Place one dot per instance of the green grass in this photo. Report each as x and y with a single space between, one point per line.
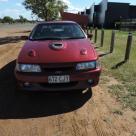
125 32
117 111
134 118
126 73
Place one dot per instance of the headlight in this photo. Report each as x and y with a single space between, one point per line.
87 65
28 68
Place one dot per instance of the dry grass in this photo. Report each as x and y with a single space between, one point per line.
125 73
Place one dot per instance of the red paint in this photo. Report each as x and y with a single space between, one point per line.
32 53
83 52
73 51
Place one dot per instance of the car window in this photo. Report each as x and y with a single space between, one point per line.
57 31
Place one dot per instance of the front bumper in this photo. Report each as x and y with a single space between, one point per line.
40 82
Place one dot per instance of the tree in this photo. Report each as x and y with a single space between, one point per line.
7 19
22 19
0 20
45 9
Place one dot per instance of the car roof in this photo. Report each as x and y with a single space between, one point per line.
54 22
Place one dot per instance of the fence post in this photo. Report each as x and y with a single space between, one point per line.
129 45
95 40
112 41
102 37
88 30
84 28
91 30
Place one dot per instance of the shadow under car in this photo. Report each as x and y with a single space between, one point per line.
15 105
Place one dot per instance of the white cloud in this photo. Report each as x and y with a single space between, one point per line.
71 7
10 12
74 9
67 2
20 10
18 4
14 13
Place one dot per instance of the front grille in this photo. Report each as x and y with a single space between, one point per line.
65 68
59 85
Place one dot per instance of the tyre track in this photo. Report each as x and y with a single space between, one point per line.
10 53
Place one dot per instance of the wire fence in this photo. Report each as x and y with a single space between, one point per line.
112 40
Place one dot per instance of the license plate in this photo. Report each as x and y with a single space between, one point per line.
58 79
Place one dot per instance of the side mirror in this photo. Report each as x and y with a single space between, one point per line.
24 37
90 36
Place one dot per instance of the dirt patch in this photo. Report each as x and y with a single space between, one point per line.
58 114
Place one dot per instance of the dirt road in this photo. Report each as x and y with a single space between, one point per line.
57 114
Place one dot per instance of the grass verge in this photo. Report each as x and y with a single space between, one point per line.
126 72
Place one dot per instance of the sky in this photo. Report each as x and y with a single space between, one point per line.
14 8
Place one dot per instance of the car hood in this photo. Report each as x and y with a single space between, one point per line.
43 52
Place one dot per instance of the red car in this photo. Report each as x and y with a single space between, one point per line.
57 56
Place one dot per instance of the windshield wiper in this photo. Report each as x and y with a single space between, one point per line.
75 38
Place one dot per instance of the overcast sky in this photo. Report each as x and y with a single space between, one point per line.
14 8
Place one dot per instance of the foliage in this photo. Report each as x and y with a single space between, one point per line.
22 19
45 9
0 20
7 19
10 20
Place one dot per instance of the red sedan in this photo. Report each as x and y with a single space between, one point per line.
57 56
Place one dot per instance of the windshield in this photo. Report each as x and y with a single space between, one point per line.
57 31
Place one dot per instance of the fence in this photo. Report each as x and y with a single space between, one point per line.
100 35
126 26
112 43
